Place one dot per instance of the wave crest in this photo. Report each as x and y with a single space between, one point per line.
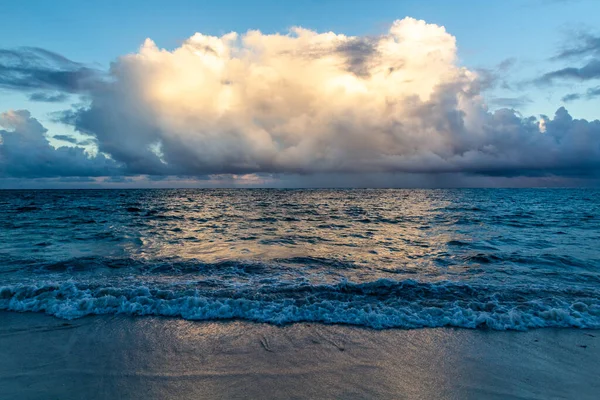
378 304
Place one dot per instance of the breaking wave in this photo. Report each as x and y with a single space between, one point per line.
378 304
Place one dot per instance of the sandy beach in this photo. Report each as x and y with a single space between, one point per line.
108 357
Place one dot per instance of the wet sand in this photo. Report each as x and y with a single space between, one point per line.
110 357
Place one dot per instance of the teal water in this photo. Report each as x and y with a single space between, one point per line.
480 258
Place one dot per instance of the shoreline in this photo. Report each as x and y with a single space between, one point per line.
113 356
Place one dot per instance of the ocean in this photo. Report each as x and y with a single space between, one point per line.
471 258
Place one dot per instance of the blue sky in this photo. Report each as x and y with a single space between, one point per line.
513 40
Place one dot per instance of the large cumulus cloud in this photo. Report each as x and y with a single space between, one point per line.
307 104
310 102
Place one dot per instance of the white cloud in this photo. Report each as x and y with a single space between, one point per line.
277 103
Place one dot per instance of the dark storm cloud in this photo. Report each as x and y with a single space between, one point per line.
133 149
34 69
26 153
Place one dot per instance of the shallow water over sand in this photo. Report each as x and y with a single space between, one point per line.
109 357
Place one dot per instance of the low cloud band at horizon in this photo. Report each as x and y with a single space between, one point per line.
301 103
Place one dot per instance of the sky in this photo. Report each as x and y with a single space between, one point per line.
309 93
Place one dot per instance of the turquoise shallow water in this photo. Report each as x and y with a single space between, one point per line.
481 258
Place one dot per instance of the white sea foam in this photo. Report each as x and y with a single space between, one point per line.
379 304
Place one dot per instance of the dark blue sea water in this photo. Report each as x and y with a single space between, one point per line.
500 259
